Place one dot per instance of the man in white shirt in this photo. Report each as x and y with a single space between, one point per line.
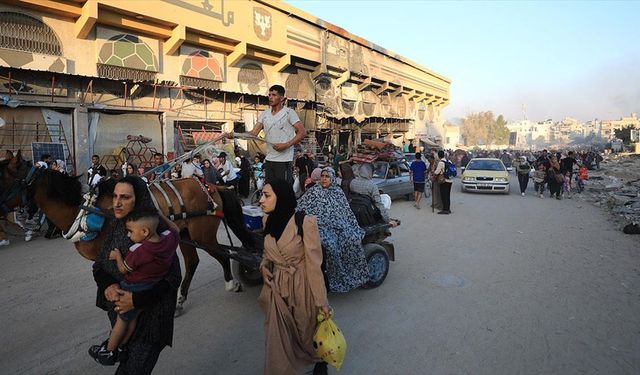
228 172
283 129
192 168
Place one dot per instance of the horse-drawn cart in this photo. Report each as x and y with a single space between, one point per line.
378 252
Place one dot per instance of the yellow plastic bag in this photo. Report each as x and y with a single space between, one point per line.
329 341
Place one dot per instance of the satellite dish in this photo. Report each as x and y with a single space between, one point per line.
2 122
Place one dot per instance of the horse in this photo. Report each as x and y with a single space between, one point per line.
60 197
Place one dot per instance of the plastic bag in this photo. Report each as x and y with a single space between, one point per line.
329 341
296 185
386 201
260 183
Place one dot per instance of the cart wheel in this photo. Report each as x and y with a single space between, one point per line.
248 276
378 263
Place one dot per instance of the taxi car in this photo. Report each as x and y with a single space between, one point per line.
485 175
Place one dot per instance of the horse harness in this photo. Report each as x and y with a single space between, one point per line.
182 214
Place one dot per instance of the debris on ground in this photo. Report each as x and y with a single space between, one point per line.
616 187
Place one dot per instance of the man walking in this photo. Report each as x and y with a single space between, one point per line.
283 129
445 185
417 175
96 172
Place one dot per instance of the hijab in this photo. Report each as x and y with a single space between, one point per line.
315 174
332 174
285 208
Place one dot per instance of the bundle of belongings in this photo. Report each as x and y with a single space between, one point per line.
370 151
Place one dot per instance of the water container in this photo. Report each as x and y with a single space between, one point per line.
252 217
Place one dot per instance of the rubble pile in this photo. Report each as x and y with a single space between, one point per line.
616 186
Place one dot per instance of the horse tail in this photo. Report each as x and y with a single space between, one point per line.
233 215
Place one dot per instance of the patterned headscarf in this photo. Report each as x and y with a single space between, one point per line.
315 174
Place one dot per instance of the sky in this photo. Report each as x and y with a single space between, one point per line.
551 58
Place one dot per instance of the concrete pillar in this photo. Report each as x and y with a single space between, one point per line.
168 133
82 160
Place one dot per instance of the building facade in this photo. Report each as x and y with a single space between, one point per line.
89 73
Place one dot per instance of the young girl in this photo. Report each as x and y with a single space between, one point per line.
583 175
566 185
539 177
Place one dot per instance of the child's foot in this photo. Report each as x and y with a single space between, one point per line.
102 355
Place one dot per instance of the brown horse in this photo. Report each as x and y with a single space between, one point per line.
59 196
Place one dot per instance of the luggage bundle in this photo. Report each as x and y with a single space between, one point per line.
370 151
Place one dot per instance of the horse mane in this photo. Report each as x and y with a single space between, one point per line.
63 188
233 214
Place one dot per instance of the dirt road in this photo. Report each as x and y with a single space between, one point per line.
504 285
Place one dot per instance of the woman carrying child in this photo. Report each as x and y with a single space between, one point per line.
154 329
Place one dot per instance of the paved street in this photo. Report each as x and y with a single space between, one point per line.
504 285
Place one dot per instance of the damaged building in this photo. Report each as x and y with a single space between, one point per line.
86 74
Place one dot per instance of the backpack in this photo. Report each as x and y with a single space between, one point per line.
365 210
450 169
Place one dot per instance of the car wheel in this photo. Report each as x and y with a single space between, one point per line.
378 264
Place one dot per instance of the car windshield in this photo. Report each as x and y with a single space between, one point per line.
380 170
485 165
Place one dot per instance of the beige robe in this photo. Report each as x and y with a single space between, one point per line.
292 305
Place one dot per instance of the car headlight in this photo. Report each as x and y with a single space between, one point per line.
501 179
468 178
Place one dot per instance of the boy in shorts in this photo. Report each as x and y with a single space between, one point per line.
145 263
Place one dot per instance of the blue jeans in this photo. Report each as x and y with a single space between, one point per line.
138 287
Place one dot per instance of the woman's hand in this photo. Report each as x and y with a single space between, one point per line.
326 311
124 302
267 276
114 254
111 292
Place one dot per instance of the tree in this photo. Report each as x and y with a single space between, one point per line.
500 131
624 133
476 126
484 128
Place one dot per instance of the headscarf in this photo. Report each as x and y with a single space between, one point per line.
365 171
62 166
315 174
285 208
156 325
332 174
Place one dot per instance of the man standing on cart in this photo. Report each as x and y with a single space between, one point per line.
283 129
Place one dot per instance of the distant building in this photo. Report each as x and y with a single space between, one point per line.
452 136
609 126
529 133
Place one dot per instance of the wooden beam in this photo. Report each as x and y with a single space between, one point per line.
213 44
398 91
344 77
62 8
110 18
365 84
178 36
413 94
87 20
382 88
239 52
284 63
262 56
320 69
